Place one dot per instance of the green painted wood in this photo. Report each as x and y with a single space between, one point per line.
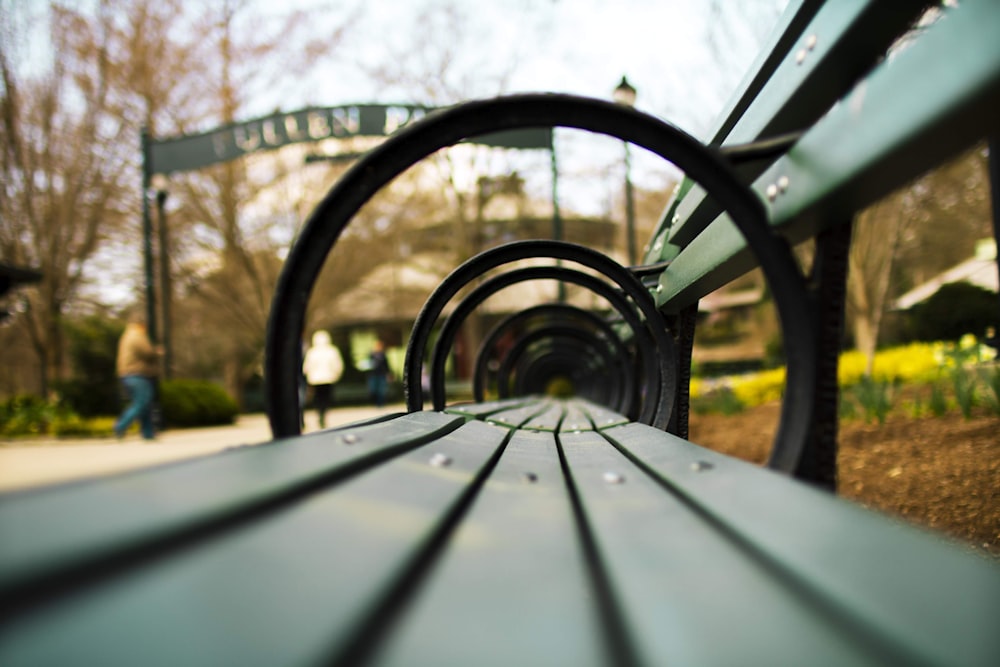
51 530
544 414
292 588
906 593
512 586
788 30
689 594
480 410
912 112
599 415
516 417
850 37
548 419
575 418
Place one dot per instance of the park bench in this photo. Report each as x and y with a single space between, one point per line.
562 531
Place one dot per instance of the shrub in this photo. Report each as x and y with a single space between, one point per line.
93 347
846 408
27 414
721 400
696 387
991 379
875 397
760 388
964 386
72 425
917 362
938 402
195 403
954 310
89 398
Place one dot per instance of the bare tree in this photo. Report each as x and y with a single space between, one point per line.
64 171
874 252
911 235
245 53
70 140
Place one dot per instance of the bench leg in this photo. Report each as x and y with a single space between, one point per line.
827 283
682 326
994 167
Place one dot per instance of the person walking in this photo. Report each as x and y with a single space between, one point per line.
138 365
322 367
378 374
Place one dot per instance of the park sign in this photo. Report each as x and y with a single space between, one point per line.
235 140
229 142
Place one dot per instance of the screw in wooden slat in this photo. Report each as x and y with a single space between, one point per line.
612 477
440 460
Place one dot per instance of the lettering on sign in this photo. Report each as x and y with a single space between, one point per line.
195 151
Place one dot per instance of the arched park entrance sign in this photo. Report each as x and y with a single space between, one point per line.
235 140
229 142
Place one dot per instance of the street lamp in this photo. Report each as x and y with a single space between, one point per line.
160 185
625 94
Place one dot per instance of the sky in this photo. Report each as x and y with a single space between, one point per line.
684 57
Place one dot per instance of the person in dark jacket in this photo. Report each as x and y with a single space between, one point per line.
378 374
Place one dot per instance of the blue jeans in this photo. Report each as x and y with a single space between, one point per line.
377 389
140 392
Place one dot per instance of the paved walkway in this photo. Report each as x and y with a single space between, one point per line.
25 464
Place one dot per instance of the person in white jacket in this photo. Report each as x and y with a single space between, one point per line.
322 367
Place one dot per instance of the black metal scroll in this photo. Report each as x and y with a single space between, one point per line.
621 382
656 345
447 127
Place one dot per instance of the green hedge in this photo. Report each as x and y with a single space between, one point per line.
953 311
26 414
195 403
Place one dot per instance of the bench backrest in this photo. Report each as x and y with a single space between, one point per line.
855 112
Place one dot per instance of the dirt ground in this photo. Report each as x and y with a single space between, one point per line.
941 473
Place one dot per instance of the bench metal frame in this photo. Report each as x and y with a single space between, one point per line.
537 531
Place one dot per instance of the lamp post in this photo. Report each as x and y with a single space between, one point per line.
625 94
165 282
147 236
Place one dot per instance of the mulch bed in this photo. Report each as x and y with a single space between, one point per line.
941 473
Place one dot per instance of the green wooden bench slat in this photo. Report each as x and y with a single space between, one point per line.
480 410
129 510
518 416
787 31
547 420
850 38
575 418
545 414
599 415
914 111
920 593
689 594
512 586
291 588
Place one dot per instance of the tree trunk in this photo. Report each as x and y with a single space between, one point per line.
233 378
866 340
